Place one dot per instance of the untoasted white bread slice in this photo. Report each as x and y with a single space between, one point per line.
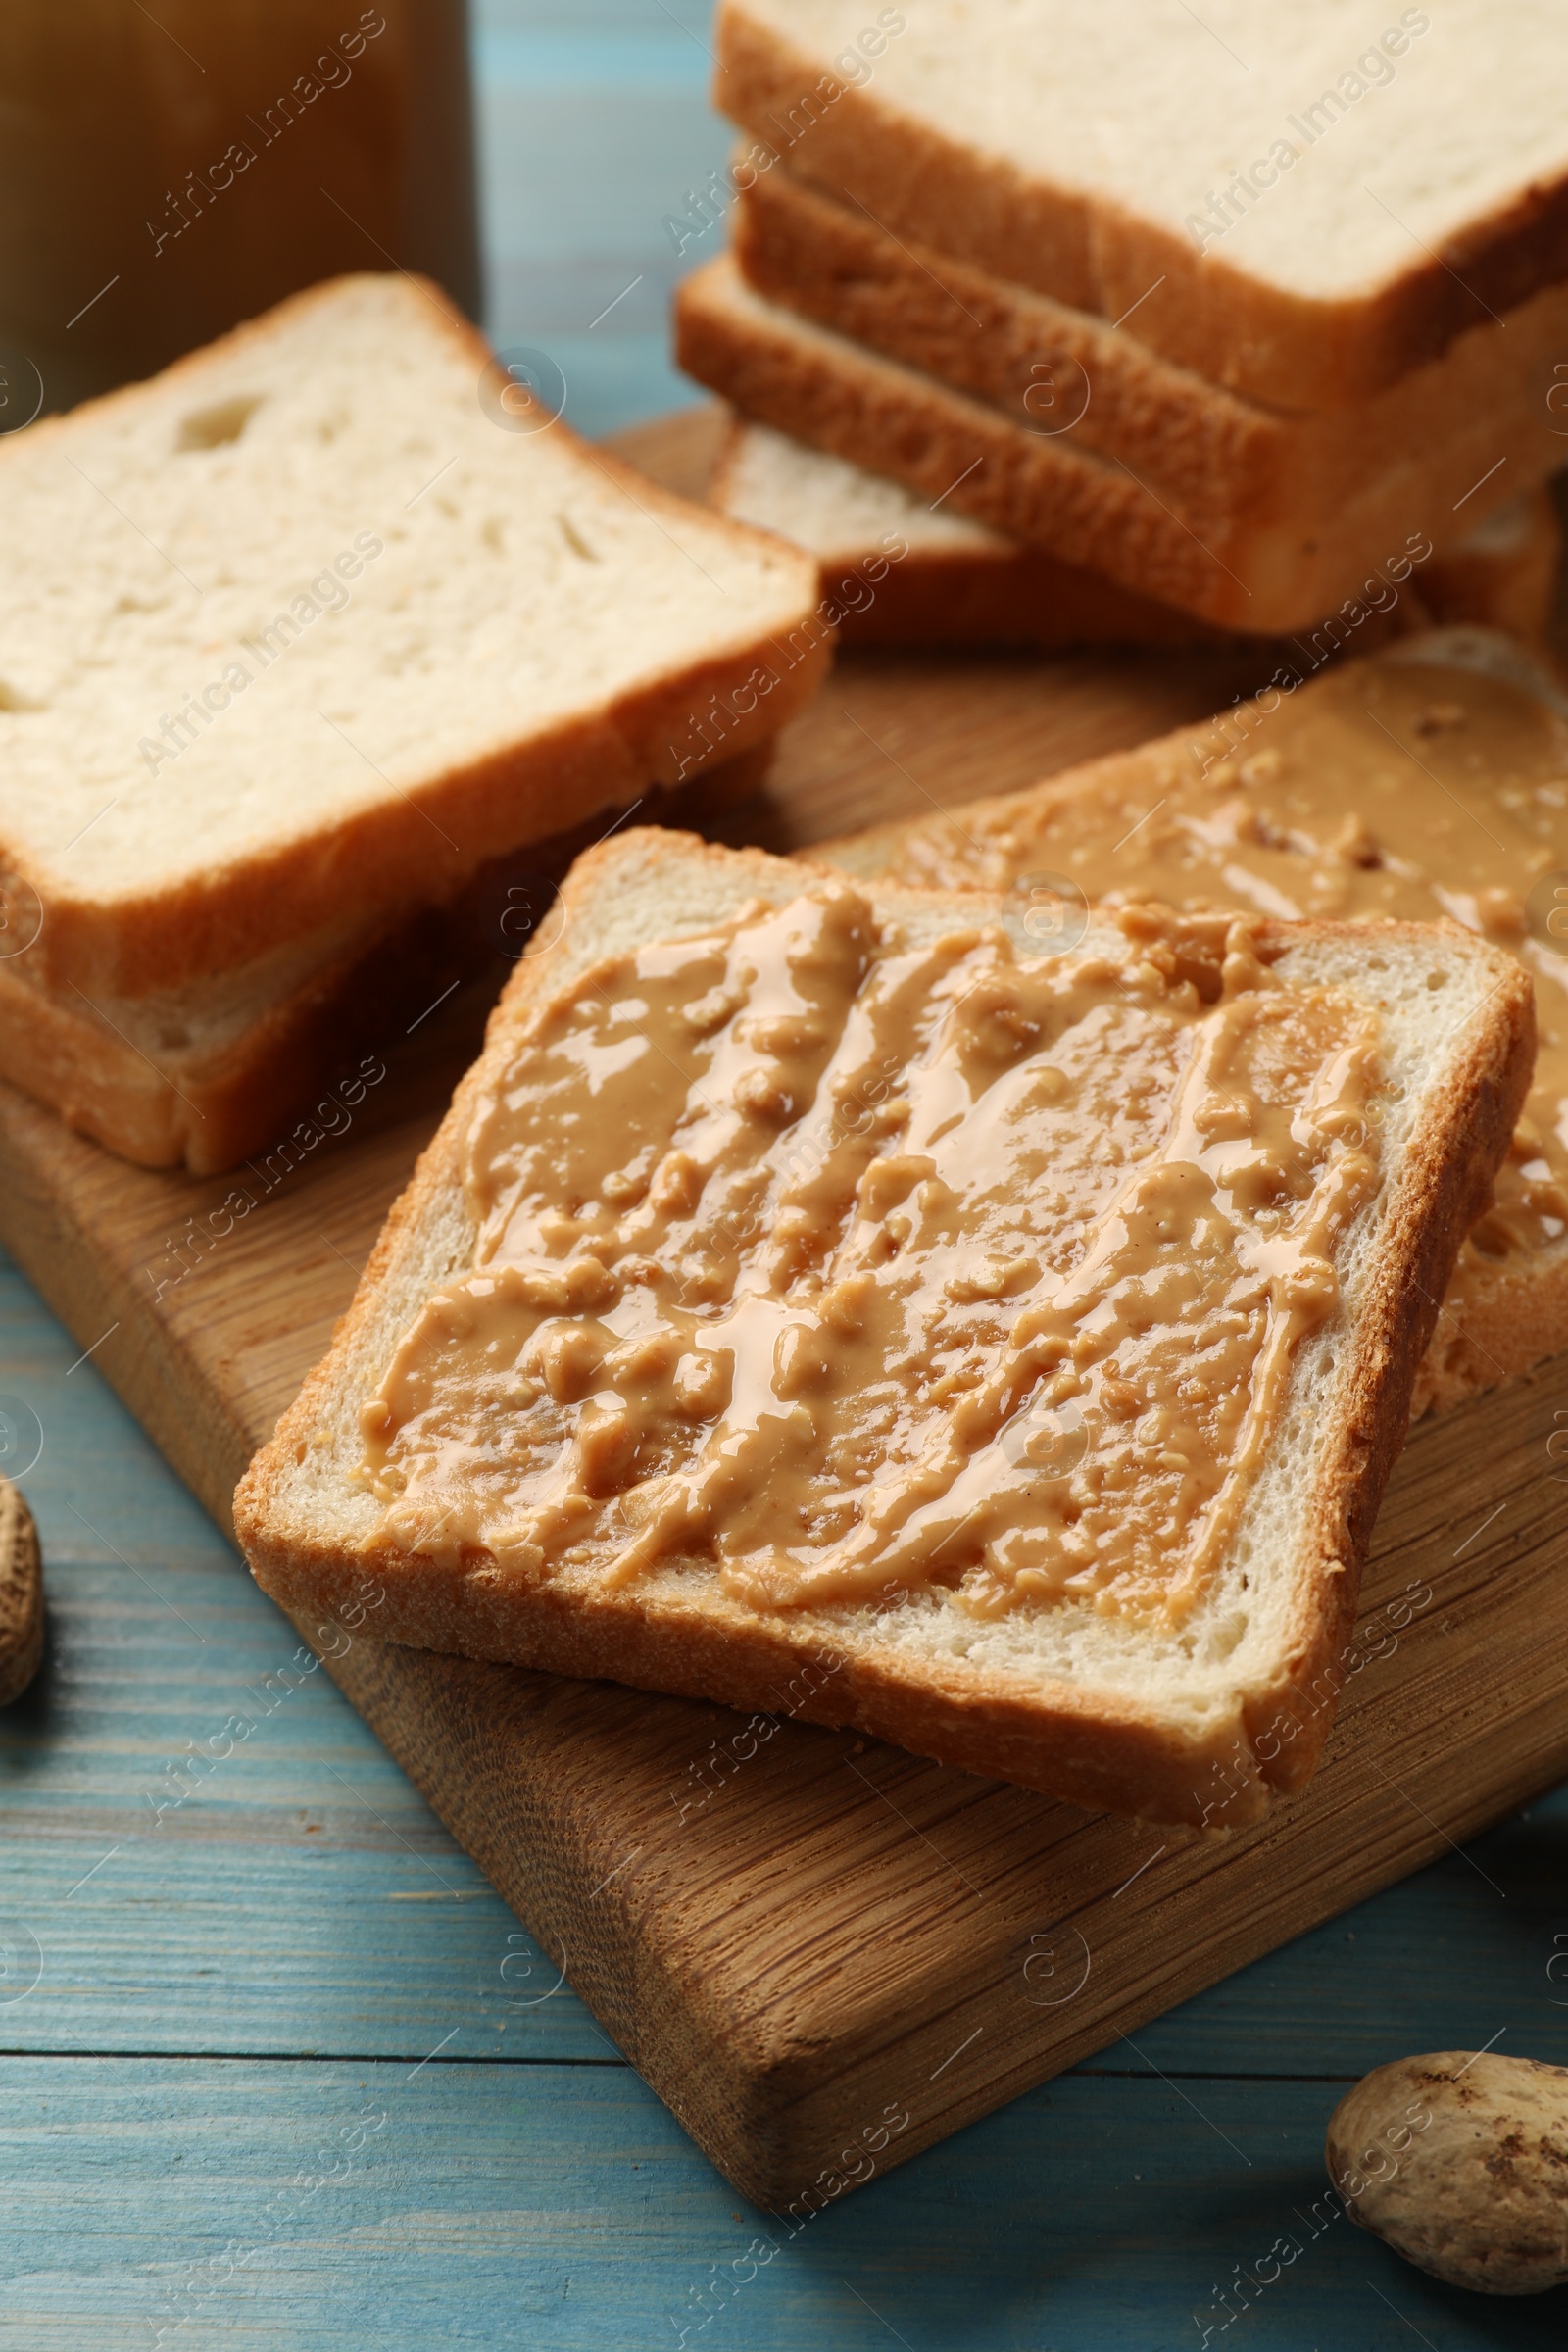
899 572
1194 1705
1478 415
1235 569
1430 782
1304 203
206 1075
327 614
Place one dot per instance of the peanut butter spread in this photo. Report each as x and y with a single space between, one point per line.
1404 790
844 1266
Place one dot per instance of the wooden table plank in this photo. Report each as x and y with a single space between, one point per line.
571 2215
302 1897
593 120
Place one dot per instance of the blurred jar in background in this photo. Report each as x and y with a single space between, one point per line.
170 168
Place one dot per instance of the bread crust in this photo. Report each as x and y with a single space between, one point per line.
1007 593
209 1111
1286 350
407 848
1103 1749
808 381
1452 1164
1207 448
996 594
204 1112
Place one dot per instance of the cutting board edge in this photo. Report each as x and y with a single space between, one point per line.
766 2131
109 1315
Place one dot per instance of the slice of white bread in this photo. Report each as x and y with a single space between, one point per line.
1304 203
1195 1719
1233 570
206 1075
332 611
201 1076
1250 810
1477 416
901 573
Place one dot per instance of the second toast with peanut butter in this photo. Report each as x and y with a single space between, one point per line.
1427 784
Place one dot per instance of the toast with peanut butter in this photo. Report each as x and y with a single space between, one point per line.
1429 784
812 1272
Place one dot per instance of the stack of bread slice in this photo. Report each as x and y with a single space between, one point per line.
897 571
299 639
1176 306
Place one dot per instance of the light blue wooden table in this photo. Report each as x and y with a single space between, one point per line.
278 2070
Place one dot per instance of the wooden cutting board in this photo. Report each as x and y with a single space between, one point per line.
822 1953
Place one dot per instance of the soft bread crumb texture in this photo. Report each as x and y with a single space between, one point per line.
1404 169
1151 108
898 572
839 510
205 1075
220 1068
1198 1723
328 614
